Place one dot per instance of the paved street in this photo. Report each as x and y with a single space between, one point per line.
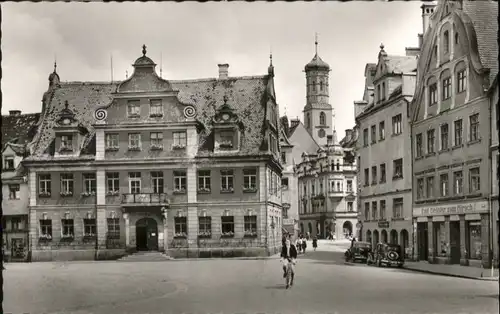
324 284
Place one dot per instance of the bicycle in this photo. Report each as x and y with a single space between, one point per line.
289 273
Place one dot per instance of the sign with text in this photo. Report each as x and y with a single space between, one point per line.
288 221
457 209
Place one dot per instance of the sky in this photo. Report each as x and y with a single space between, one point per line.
190 39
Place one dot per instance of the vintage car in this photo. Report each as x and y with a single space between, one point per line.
358 251
387 255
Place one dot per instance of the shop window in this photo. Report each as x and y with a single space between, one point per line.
227 226
440 245
475 240
113 225
180 227
205 227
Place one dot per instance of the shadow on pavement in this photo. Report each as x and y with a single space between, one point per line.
277 287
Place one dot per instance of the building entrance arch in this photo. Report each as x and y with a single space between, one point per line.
347 228
146 233
394 237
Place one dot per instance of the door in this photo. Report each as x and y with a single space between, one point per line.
146 234
454 242
422 240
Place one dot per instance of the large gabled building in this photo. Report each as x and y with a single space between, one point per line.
451 134
191 168
17 130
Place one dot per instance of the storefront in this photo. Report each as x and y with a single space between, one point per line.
453 233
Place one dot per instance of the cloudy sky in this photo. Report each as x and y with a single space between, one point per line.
193 38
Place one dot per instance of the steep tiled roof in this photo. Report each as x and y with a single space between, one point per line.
246 95
400 64
19 149
17 128
397 91
484 18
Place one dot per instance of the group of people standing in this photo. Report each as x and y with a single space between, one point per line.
301 243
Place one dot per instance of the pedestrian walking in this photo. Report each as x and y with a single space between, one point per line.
304 246
298 245
315 243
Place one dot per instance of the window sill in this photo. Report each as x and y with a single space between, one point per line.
14 199
382 181
373 183
205 191
419 157
157 148
420 202
156 115
179 192
204 236
180 237
134 149
67 195
92 237
67 239
44 240
455 197
227 236
396 134
474 195
373 142
250 236
457 146
249 190
134 116
444 150
113 193
397 219
226 191
430 154
88 194
112 149
178 147
474 142
397 178
381 139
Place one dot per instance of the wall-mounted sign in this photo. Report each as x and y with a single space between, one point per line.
457 209
288 221
383 224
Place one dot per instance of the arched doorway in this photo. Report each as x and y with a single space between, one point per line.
375 238
369 236
310 228
394 237
384 236
146 234
347 228
405 241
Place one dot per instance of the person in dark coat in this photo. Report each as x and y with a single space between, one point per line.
304 245
315 243
288 255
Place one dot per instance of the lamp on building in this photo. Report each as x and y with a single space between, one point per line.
44 216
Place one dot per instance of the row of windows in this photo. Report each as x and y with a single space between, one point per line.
397 172
157 182
446 86
445 138
334 186
155 108
322 119
397 128
180 227
318 207
426 187
156 140
397 210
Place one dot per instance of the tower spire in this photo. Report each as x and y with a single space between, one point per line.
161 64
316 42
55 63
271 56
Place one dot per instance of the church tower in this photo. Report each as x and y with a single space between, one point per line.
318 111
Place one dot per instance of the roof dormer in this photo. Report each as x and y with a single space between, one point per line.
69 133
227 129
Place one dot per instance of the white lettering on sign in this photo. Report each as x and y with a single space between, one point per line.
467 208
288 221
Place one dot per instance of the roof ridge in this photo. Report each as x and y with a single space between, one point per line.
20 115
248 77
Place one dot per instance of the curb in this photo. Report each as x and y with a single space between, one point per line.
451 275
224 258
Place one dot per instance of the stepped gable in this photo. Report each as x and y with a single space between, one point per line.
246 95
17 128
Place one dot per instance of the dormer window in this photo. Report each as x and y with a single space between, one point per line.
227 128
66 142
133 109
155 108
226 139
8 163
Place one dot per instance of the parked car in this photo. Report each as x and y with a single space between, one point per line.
387 255
358 252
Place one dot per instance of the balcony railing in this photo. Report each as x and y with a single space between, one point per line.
335 193
145 198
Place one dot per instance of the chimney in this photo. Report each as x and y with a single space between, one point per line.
420 40
329 140
223 71
294 123
348 134
14 113
427 11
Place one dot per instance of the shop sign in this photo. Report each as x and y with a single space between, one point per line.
465 208
288 221
383 224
